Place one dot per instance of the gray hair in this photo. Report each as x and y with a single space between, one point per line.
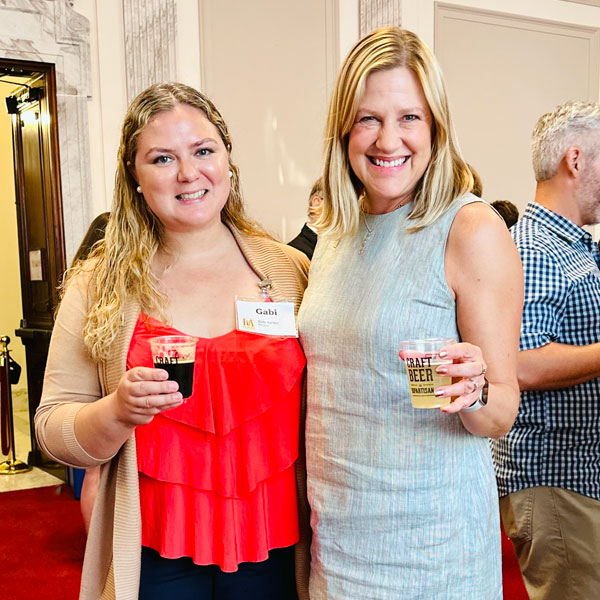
569 124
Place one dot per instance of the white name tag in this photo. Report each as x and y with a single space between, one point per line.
266 318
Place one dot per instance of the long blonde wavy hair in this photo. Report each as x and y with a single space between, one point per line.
121 264
447 176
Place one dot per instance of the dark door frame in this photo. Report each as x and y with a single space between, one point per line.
51 186
36 326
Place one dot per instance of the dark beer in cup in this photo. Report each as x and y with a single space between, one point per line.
176 354
179 371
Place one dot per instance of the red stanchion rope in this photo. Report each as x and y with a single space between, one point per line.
4 404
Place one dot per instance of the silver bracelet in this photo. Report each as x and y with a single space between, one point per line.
480 402
477 405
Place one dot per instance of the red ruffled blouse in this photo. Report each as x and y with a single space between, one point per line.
217 478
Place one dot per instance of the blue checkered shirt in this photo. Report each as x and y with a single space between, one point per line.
555 440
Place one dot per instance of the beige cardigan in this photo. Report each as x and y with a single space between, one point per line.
111 568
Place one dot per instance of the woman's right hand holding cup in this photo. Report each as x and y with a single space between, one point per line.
142 393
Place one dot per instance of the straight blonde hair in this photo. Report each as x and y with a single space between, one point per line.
121 264
447 176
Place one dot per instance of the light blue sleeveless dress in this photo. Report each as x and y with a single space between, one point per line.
404 501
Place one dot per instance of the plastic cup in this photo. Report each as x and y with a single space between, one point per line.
176 354
421 360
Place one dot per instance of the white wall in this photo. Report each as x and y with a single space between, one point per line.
497 92
266 68
269 66
418 15
536 65
107 105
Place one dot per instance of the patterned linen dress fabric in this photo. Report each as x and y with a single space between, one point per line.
404 501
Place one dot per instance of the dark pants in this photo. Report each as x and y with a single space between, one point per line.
180 578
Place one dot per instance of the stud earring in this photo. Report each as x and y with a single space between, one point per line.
138 189
230 173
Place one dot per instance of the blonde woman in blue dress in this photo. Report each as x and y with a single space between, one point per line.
404 502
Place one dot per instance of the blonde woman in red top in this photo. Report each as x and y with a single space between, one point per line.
197 499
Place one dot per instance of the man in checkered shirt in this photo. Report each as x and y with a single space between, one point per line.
548 465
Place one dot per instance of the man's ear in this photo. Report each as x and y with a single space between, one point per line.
573 161
131 170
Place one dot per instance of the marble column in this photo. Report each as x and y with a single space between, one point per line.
378 13
150 29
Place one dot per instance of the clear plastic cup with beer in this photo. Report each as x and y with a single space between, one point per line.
176 354
421 358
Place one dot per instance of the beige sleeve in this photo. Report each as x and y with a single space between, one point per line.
70 381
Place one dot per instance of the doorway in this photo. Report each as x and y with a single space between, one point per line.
28 92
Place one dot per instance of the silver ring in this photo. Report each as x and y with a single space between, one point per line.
475 384
483 369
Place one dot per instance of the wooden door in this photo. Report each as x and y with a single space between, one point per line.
40 222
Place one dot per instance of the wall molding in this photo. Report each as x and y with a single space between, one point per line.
588 2
591 35
150 43
379 13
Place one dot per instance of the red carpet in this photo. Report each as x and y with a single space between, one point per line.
42 539
42 542
514 589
